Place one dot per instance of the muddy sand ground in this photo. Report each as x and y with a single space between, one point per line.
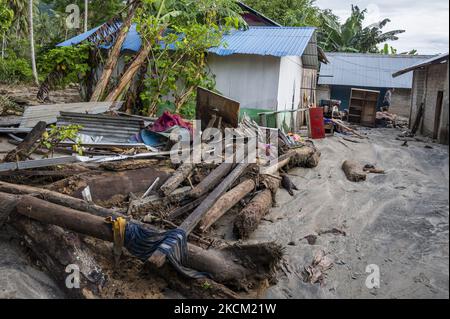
398 221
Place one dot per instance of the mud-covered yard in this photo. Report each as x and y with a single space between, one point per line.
397 221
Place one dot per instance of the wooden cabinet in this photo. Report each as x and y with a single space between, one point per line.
363 107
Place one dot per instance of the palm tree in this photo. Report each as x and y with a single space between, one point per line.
86 13
20 22
31 32
6 17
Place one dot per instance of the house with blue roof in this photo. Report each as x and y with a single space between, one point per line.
368 71
266 67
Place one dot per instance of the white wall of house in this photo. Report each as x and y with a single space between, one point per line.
251 80
290 83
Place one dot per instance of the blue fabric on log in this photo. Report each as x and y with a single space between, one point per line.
142 243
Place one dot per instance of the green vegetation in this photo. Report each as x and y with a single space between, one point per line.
176 34
334 36
190 28
294 13
66 65
387 49
50 28
6 17
13 71
352 36
52 138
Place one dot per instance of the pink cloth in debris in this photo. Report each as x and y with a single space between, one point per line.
168 120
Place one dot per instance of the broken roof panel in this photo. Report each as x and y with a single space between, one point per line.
132 42
49 113
368 70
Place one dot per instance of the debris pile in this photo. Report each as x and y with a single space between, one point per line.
112 200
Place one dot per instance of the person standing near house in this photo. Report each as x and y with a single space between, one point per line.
387 100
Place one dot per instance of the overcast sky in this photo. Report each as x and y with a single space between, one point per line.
425 21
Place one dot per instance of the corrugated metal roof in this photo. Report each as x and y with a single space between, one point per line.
435 60
115 129
274 41
132 42
367 70
49 113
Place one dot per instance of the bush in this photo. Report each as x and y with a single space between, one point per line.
15 71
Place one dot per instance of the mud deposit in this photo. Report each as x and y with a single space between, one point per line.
397 221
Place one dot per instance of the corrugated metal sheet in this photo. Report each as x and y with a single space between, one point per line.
367 70
115 129
435 60
274 41
49 113
132 42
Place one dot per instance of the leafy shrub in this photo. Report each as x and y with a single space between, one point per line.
67 64
14 70
51 139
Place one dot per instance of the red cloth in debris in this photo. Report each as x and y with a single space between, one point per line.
168 120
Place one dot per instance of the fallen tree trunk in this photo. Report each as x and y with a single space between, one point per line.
177 178
225 203
353 171
113 57
306 156
211 180
250 217
57 198
282 162
25 148
63 253
90 225
222 265
129 74
7 206
79 222
158 258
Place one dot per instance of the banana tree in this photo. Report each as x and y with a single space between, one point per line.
387 49
352 36
373 35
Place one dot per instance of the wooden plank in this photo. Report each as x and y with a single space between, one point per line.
226 202
25 148
211 180
210 103
158 258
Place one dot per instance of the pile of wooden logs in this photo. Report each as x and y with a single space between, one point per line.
62 226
